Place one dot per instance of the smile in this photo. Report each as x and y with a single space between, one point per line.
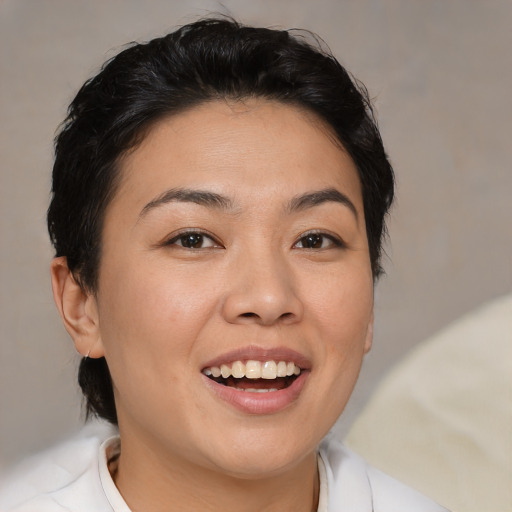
253 370
257 381
254 376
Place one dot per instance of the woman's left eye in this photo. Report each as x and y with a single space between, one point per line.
193 240
317 241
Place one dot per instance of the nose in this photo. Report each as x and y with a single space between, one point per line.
262 290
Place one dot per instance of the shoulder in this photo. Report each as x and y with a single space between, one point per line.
64 477
354 485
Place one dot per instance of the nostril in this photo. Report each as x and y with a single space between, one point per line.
283 317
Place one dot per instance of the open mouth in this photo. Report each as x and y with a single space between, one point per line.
255 376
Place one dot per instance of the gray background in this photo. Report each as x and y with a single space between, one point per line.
440 73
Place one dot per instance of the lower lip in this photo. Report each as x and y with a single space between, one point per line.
259 403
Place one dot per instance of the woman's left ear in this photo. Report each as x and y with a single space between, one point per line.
78 310
369 335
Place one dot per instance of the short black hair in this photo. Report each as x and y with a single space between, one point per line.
210 59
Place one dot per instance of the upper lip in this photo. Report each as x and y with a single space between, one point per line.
261 354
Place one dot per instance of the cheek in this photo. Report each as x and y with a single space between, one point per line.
150 327
341 314
343 308
153 316
344 315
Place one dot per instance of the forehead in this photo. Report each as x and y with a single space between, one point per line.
254 149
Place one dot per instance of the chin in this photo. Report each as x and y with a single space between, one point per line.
261 454
254 469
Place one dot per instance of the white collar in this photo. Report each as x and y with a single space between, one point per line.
347 478
109 449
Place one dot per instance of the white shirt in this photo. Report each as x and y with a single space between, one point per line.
74 477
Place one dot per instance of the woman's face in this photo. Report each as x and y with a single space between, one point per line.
236 242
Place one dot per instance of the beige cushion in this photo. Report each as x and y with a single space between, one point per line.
442 419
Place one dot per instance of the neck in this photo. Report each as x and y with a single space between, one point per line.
150 481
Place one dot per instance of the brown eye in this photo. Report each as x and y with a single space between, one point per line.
318 241
192 240
312 241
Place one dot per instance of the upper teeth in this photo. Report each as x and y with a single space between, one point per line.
254 370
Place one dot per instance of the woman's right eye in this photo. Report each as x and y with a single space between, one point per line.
193 240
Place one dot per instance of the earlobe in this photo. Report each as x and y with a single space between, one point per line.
77 309
369 336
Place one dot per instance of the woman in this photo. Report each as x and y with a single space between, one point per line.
218 208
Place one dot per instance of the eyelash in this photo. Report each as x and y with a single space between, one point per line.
189 233
334 240
202 235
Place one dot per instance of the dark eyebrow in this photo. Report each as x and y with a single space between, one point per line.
318 197
185 195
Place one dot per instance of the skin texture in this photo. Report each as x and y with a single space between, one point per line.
163 311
